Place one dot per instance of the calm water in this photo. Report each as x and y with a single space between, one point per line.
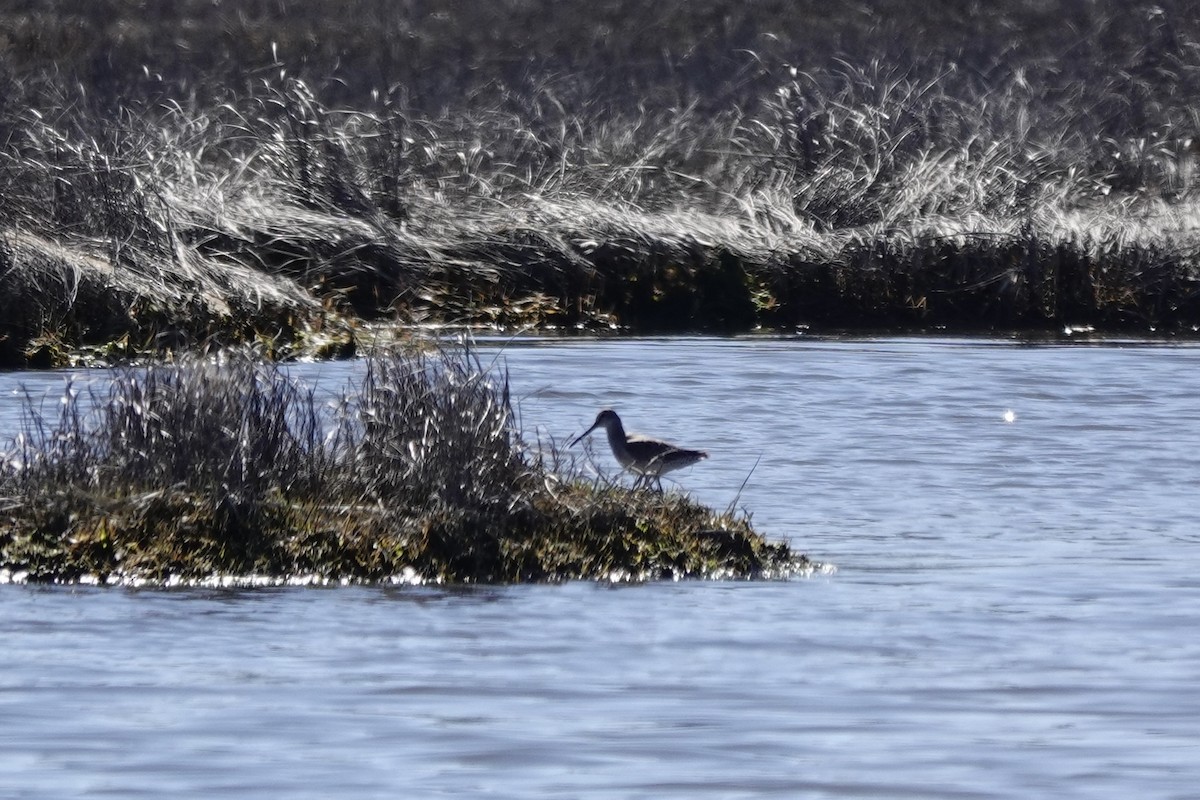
1015 610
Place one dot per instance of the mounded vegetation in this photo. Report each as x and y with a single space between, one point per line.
227 467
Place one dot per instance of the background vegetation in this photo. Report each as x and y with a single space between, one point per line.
184 172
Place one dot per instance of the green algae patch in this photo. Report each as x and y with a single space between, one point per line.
228 467
613 532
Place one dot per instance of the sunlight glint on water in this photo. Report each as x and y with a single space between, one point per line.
1013 615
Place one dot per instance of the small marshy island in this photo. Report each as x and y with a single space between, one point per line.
228 470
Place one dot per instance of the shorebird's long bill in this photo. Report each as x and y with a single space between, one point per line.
579 438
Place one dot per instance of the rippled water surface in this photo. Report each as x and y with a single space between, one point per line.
1015 610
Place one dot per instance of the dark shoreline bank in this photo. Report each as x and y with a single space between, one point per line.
185 179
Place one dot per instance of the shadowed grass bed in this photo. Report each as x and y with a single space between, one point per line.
230 467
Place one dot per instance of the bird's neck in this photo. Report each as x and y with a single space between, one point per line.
616 433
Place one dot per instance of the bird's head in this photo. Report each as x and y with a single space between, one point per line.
604 419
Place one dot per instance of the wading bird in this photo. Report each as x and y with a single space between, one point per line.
649 459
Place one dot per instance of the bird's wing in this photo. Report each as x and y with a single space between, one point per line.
637 437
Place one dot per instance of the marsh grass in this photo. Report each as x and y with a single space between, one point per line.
93 258
230 467
1023 166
